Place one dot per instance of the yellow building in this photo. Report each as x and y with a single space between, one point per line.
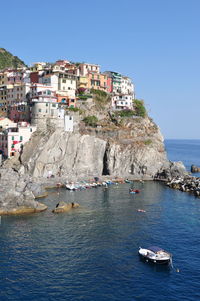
37 67
3 78
3 101
82 82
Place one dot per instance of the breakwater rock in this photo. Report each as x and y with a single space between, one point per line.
62 207
186 184
15 195
195 169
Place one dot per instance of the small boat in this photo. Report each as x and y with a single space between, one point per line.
155 255
141 210
134 191
71 186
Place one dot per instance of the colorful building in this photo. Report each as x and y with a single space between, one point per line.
116 81
12 139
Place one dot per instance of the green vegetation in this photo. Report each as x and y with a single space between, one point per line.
73 109
125 113
85 96
8 60
91 120
100 93
148 141
101 98
139 108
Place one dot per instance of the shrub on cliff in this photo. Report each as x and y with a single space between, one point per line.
125 113
91 120
139 108
99 93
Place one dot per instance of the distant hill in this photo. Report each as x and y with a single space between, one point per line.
9 60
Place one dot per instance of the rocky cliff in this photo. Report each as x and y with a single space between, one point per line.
134 150
129 147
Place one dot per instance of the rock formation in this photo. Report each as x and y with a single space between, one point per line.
134 150
62 207
195 168
118 147
15 196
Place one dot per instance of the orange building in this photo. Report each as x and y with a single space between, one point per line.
66 100
98 81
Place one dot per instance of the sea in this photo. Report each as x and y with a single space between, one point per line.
91 253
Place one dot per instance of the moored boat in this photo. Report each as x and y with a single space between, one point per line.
134 190
155 255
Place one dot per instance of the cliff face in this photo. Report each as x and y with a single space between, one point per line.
134 150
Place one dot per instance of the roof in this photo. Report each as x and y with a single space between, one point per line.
155 249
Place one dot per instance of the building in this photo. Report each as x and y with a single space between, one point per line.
18 102
127 86
6 123
85 68
69 123
98 81
82 82
122 102
66 100
3 101
116 81
3 78
38 66
13 138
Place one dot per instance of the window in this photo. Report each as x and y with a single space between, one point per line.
40 110
54 105
21 138
13 137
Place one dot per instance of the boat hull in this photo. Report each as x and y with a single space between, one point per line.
155 261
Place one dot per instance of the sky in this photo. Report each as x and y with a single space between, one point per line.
155 42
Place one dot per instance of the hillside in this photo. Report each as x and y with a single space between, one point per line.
9 60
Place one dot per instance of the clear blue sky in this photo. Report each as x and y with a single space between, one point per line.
155 42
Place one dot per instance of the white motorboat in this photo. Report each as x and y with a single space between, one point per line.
156 255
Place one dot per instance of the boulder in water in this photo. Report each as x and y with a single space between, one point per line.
195 168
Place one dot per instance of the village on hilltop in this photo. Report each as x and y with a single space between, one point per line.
31 95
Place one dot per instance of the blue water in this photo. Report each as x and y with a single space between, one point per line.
91 253
187 151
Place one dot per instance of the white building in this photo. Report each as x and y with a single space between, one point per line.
62 83
67 85
85 68
37 90
121 102
13 139
127 86
7 123
49 80
69 123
